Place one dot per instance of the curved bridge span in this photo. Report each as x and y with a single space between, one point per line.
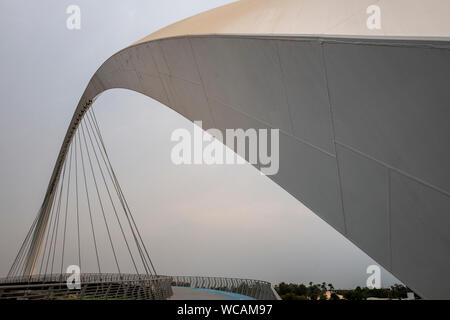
363 120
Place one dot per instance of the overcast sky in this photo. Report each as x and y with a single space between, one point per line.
197 220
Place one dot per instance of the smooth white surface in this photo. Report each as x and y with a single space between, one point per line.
400 18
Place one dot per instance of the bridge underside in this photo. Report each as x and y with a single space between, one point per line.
363 129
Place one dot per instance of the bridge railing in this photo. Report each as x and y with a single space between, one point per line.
126 286
260 290
93 286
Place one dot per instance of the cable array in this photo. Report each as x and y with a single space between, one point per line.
89 216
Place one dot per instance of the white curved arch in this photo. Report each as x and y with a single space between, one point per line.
348 105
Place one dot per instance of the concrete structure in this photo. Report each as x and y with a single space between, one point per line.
364 115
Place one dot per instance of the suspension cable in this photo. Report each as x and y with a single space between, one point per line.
55 196
22 247
76 197
67 207
110 197
58 210
99 197
120 190
88 201
115 182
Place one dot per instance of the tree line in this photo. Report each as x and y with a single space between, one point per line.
324 291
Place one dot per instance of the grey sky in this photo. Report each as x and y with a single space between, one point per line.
197 220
